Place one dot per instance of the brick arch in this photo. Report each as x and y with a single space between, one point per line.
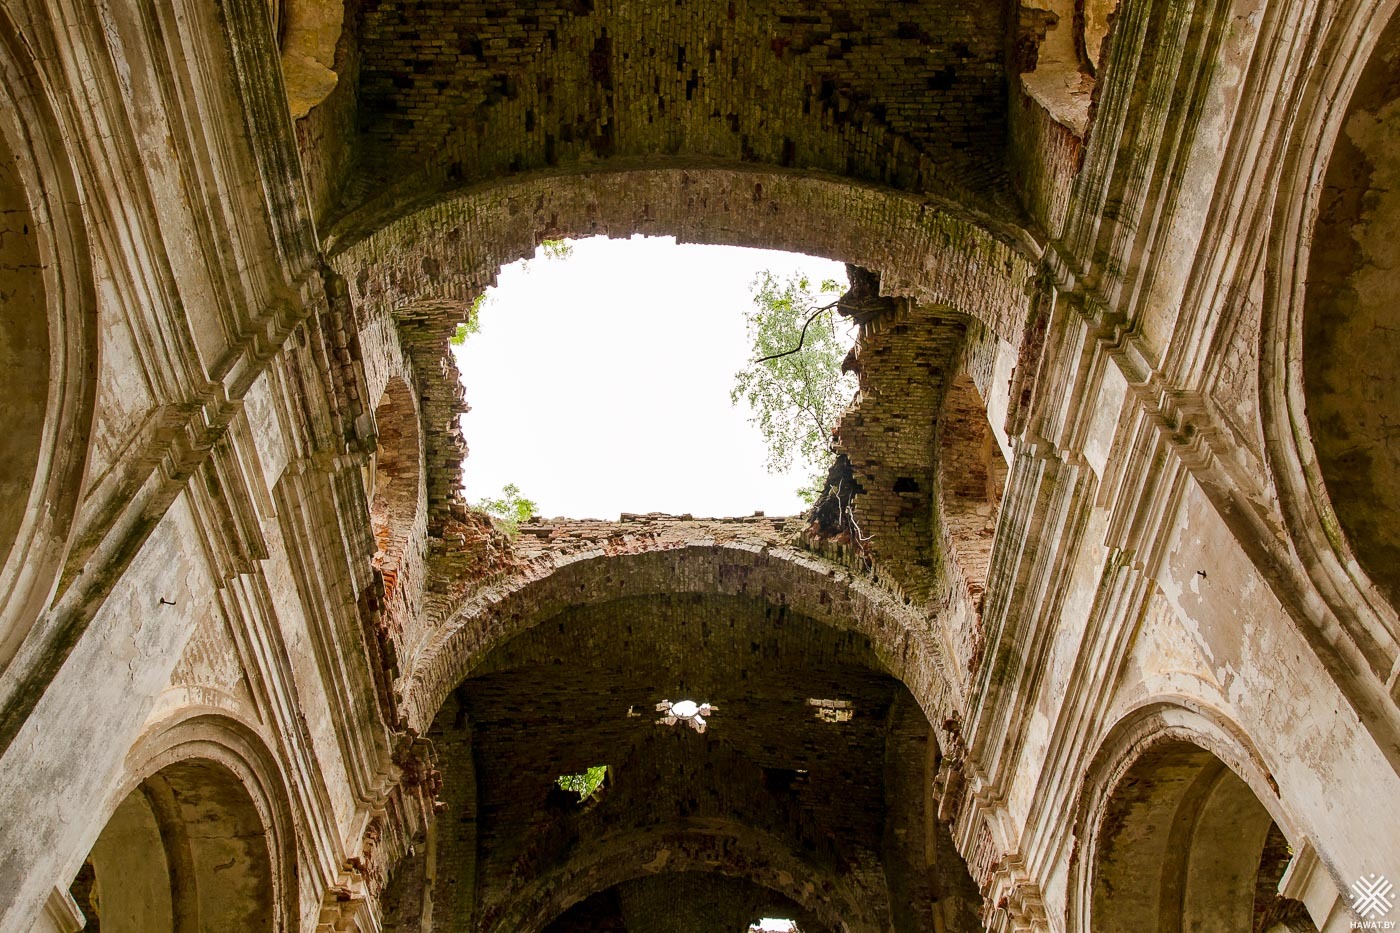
425 262
707 901
450 247
679 563
717 846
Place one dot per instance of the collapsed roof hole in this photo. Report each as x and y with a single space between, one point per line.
585 783
774 925
832 710
619 357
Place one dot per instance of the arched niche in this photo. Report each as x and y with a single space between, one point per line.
1175 836
1310 321
47 346
186 850
24 347
1351 324
395 481
1181 847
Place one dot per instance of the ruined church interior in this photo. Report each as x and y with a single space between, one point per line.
1092 628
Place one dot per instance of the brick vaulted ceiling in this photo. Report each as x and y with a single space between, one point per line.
902 94
823 814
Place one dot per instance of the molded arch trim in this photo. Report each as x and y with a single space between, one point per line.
35 556
1160 722
221 741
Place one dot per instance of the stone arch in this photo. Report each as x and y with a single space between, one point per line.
1326 401
1351 327
782 575
719 847
184 851
396 485
1179 826
923 247
198 793
48 345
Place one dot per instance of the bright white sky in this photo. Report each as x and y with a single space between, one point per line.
599 383
772 925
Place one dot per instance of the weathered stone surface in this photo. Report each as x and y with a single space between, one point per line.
1095 630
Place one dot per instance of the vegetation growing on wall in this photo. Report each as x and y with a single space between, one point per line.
472 325
585 783
510 509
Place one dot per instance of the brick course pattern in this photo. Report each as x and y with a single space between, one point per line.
910 95
801 782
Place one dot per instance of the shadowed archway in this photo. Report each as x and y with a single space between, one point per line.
186 850
812 779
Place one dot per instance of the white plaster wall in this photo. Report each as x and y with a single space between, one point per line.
1258 670
58 778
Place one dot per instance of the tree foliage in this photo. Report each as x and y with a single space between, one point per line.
583 784
795 397
511 509
472 325
556 249
550 250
